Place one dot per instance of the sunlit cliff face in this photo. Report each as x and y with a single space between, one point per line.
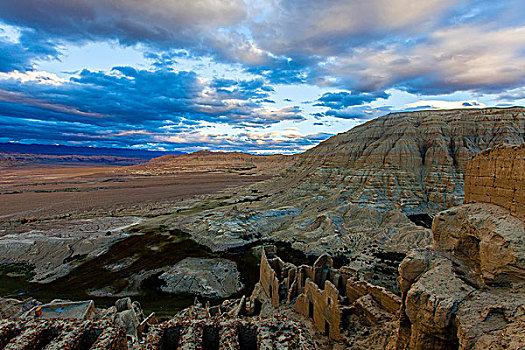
256 76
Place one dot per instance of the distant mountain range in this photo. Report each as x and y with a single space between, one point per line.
59 150
17 154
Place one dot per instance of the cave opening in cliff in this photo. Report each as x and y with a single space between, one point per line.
257 306
88 338
210 338
247 338
423 220
170 338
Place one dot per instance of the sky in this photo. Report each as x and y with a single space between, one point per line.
259 76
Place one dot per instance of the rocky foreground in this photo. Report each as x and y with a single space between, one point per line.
465 291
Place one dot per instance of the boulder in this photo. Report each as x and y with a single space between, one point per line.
487 237
211 278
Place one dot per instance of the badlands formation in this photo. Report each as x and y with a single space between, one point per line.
421 213
367 195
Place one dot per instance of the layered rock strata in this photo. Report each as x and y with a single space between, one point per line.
355 194
468 291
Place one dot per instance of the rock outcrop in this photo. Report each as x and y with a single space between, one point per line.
53 253
211 278
410 161
468 292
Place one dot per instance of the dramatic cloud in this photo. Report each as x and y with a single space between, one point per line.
19 54
270 142
448 62
214 72
109 106
161 22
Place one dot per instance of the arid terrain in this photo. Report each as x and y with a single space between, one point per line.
41 192
372 243
33 193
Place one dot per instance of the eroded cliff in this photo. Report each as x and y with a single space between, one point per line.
468 291
357 194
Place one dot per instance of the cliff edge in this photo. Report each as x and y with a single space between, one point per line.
468 291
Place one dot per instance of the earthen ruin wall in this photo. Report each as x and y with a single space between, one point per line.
315 291
497 176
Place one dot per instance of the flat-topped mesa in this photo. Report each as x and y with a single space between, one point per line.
207 161
497 176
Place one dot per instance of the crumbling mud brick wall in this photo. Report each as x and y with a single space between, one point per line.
225 333
497 176
61 335
326 295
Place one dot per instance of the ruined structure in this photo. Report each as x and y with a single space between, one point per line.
326 295
198 327
229 333
497 176
219 332
61 335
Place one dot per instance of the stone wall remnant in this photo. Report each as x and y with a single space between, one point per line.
326 295
226 332
497 176
467 292
61 335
